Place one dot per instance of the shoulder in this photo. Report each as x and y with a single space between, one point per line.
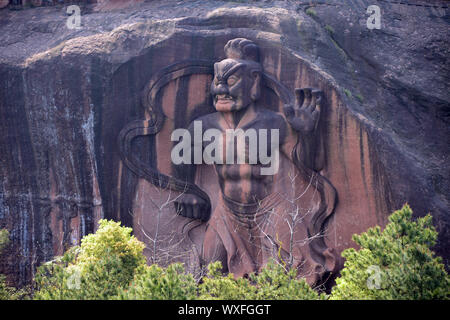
208 117
275 118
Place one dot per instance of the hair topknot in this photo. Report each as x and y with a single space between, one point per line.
242 49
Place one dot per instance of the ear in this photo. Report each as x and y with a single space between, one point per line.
255 91
212 86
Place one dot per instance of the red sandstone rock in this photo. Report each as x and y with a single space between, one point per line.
66 94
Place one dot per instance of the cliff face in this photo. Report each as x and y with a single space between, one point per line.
66 94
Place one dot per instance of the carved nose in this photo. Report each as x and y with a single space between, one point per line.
220 89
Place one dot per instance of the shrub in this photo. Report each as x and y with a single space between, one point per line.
4 238
311 12
7 292
329 29
359 97
348 93
272 282
396 263
105 262
113 248
217 286
156 283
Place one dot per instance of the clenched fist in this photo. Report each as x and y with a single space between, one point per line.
192 206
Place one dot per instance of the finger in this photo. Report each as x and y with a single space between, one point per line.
197 212
178 208
182 211
299 97
288 111
194 209
317 98
189 213
205 216
317 108
315 95
205 212
316 114
307 100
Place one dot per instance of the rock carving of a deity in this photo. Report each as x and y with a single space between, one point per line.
272 203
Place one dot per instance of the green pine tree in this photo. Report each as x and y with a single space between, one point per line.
396 263
156 283
105 262
7 292
271 283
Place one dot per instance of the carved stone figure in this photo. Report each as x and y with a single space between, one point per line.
256 216
3 3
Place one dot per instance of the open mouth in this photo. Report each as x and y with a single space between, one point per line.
223 98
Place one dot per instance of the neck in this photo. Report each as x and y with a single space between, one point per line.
234 117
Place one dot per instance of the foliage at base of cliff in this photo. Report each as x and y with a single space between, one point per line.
396 263
174 283
110 265
105 262
156 283
271 283
7 292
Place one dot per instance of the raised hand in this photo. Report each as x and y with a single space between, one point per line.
192 206
305 115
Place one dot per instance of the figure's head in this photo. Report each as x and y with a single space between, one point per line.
237 79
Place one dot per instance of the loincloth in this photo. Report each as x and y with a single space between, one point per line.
242 230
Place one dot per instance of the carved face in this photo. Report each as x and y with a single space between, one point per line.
235 85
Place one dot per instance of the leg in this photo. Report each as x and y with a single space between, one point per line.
213 249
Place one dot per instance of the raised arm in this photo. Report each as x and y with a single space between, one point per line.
304 116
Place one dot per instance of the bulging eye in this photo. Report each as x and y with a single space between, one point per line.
232 80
